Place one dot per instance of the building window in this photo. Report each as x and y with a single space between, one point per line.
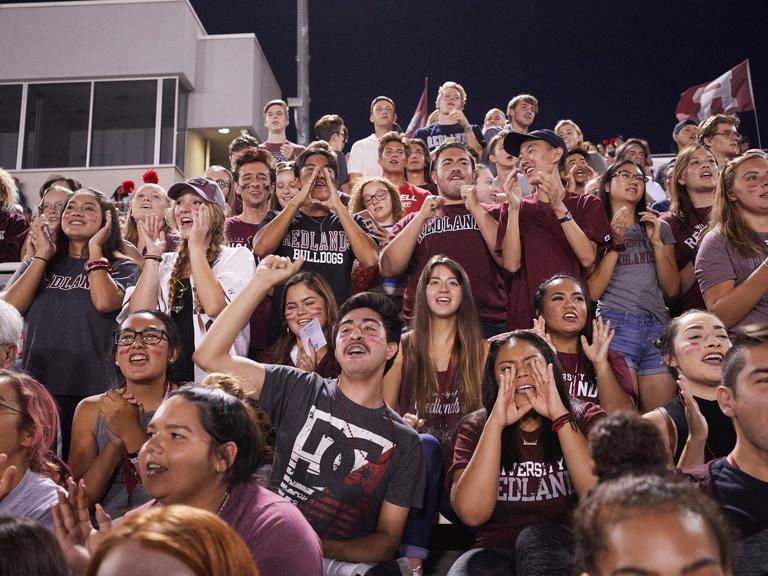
10 112
123 132
181 127
56 125
168 121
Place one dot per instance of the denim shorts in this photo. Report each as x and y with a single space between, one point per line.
635 337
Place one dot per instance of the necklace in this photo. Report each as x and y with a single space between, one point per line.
526 441
320 223
349 428
223 503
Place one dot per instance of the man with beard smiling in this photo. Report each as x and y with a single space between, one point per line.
342 455
550 232
315 225
457 225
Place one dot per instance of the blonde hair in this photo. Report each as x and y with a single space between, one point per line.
455 86
218 240
9 193
130 229
200 540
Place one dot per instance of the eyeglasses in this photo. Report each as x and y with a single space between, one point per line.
628 176
58 206
728 133
222 183
147 336
11 409
369 198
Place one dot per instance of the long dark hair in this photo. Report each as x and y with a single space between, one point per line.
510 450
114 247
605 196
281 351
468 349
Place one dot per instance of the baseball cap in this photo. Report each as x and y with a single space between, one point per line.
514 140
682 124
207 189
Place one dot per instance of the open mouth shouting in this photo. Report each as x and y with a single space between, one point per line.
713 359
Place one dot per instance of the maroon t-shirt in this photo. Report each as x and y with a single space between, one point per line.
412 197
545 248
277 155
241 233
444 410
531 491
687 236
453 231
581 379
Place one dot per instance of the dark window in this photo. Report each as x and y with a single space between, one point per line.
167 121
124 123
10 111
181 128
56 126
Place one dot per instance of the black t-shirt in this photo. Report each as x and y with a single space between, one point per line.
743 498
436 134
336 460
182 314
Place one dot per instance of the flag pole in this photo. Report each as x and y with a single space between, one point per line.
754 105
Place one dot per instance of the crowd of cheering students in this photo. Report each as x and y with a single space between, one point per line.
322 353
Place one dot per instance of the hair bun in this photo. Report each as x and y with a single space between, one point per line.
150 177
229 383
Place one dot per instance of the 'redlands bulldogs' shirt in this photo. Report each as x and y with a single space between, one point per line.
336 460
323 243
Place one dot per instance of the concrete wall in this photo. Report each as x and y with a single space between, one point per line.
65 41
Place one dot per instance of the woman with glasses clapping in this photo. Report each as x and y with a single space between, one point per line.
110 428
633 278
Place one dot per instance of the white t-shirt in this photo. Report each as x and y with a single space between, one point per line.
364 157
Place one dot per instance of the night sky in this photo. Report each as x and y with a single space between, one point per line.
614 67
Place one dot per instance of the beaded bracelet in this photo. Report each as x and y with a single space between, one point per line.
563 420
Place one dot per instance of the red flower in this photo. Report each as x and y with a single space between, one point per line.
150 177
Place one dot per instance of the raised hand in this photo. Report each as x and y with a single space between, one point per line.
552 188
333 202
97 241
76 536
286 150
7 476
540 329
151 234
201 225
505 410
120 415
469 194
697 424
512 189
303 193
277 269
652 227
43 239
430 205
602 335
544 397
457 117
306 359
619 224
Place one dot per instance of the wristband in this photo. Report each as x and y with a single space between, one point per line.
566 217
96 264
563 420
154 257
39 258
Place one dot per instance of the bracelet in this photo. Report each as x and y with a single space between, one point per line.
563 420
39 258
154 257
616 247
97 264
566 217
97 267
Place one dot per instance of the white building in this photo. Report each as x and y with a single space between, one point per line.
102 90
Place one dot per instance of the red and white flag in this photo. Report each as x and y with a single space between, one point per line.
419 118
731 92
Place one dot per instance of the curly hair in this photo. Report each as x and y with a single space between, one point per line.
356 203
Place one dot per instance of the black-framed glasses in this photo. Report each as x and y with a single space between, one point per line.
369 198
728 133
628 176
147 336
5 406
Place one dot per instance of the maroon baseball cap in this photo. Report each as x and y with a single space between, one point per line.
207 189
